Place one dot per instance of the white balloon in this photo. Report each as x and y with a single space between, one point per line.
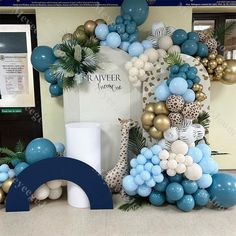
42 192
137 84
133 79
171 172
180 158
54 184
194 172
171 134
142 73
148 66
181 168
152 55
164 155
133 71
128 65
174 48
172 156
163 165
55 193
139 64
179 147
143 57
165 42
172 164
134 59
188 161
161 53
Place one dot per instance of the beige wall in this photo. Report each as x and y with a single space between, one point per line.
52 23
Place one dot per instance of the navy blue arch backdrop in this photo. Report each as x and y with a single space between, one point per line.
99 195
111 2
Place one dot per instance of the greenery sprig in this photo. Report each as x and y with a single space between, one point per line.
173 59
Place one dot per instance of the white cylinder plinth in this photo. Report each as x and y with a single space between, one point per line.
83 142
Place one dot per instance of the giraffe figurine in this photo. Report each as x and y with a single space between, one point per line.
115 176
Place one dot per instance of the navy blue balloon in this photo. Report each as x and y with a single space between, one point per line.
55 90
179 36
202 50
186 203
223 190
137 9
42 57
189 47
201 197
157 198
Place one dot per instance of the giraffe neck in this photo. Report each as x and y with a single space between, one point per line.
124 144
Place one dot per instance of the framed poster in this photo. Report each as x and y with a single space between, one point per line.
16 72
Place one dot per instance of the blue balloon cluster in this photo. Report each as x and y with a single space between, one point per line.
123 34
6 173
145 173
190 43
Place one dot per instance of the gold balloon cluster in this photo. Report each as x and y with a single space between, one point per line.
215 65
229 75
4 189
84 32
200 95
155 119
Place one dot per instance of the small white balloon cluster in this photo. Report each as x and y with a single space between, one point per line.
51 190
178 162
138 66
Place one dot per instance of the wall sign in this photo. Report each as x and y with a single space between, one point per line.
68 3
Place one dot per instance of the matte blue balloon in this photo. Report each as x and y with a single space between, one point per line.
121 29
112 27
196 80
156 170
193 69
161 187
124 37
144 191
125 46
145 175
202 50
148 154
136 49
138 180
133 172
147 44
155 160
205 181
182 75
206 150
129 184
179 36
178 86
223 190
133 38
137 9
139 169
174 191
103 43
113 40
195 153
119 20
150 183
184 68
193 36
174 69
60 82
55 90
209 166
11 174
141 159
189 186
189 47
133 163
3 176
127 17
101 31
170 201
177 178
15 162
130 28
60 148
189 96
186 203
201 197
156 149
42 57
143 150
162 92
157 198
190 83
148 166
39 149
50 77
4 168
190 75
20 167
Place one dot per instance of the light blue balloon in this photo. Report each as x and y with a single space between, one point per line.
55 90
195 153
50 77
157 198
139 168
150 183
189 47
136 49
3 176
209 166
133 163
177 178
131 193
133 172
202 50
141 159
129 184
39 149
145 175
156 149
148 166
178 86
60 147
186 203
223 190
179 36
156 170
42 57
162 92
174 191
144 191
189 96
20 167
201 197
125 46
155 160
161 187
206 150
205 181
101 31
137 9
147 44
4 168
113 40
138 180
158 178
190 187
103 43
11 174
143 150
148 154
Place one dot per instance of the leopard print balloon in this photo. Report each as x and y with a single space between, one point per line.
211 44
176 119
175 103
203 36
191 111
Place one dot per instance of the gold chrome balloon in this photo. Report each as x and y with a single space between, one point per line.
160 108
147 118
146 127
200 88
156 134
2 196
200 96
100 21
212 56
229 75
150 107
7 184
210 71
219 69
81 27
196 87
224 64
90 27
220 59
80 35
212 64
162 123
67 37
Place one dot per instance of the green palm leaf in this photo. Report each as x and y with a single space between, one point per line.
173 59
